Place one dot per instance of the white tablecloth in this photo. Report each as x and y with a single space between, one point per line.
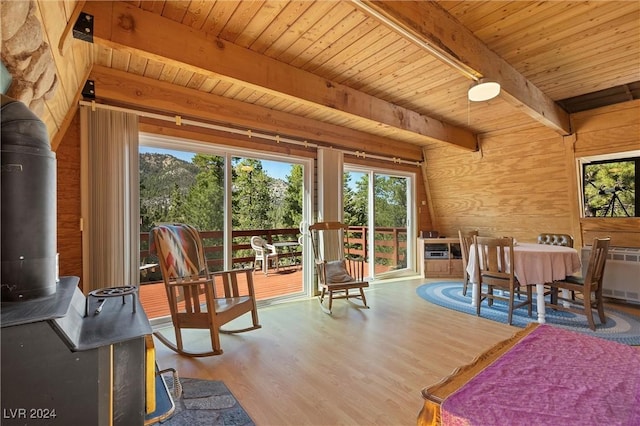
537 263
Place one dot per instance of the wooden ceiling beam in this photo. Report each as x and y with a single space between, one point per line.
460 48
128 28
134 91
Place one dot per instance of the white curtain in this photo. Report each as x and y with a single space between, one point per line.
330 179
330 172
110 199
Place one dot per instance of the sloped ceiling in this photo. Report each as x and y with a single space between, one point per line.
393 70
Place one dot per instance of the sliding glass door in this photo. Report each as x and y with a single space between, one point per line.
266 205
230 196
378 208
390 222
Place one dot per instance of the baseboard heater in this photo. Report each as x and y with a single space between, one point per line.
621 273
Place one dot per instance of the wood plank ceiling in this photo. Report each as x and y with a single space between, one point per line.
337 62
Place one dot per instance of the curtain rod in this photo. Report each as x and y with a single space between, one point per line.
179 121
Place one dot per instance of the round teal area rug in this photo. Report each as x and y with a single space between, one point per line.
620 326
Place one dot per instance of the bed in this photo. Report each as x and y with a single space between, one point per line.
541 375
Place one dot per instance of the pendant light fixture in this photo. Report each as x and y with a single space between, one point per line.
483 90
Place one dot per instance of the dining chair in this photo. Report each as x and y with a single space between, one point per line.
554 239
589 286
466 239
496 266
199 299
338 271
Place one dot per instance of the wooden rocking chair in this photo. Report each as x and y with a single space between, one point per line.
338 271
195 297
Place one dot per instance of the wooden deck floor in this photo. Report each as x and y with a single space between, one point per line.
285 281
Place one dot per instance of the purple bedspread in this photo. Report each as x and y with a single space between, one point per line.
552 377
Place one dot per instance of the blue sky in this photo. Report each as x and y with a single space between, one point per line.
274 169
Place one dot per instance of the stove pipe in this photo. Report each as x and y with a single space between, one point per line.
28 180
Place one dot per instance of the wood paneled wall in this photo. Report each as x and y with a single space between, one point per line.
624 232
73 59
68 201
515 185
611 129
615 128
524 183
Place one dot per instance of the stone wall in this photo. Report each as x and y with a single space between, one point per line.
27 55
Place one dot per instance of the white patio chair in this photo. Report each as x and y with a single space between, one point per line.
265 253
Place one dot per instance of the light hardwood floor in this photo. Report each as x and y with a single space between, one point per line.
355 367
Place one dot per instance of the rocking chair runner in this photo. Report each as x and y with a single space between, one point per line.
194 298
338 271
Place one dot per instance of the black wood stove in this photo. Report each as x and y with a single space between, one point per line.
66 359
66 363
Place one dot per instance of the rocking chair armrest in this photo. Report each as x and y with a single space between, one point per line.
190 289
189 282
320 268
250 287
233 291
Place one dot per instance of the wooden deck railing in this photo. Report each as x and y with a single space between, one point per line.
390 243
242 253
391 246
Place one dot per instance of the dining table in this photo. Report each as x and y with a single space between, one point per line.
535 264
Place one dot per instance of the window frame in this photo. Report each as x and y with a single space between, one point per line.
631 156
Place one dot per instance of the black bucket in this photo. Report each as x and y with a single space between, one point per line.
28 205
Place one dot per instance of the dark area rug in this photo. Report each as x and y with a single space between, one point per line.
206 402
620 326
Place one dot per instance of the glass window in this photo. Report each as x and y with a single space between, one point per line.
229 195
377 207
609 188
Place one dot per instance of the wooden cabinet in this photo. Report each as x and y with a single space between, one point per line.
440 258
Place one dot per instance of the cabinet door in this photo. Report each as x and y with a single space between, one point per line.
457 269
437 267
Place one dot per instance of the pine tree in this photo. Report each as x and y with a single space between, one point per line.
252 196
292 215
204 204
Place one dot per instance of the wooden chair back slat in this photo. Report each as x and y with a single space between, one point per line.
496 266
590 286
